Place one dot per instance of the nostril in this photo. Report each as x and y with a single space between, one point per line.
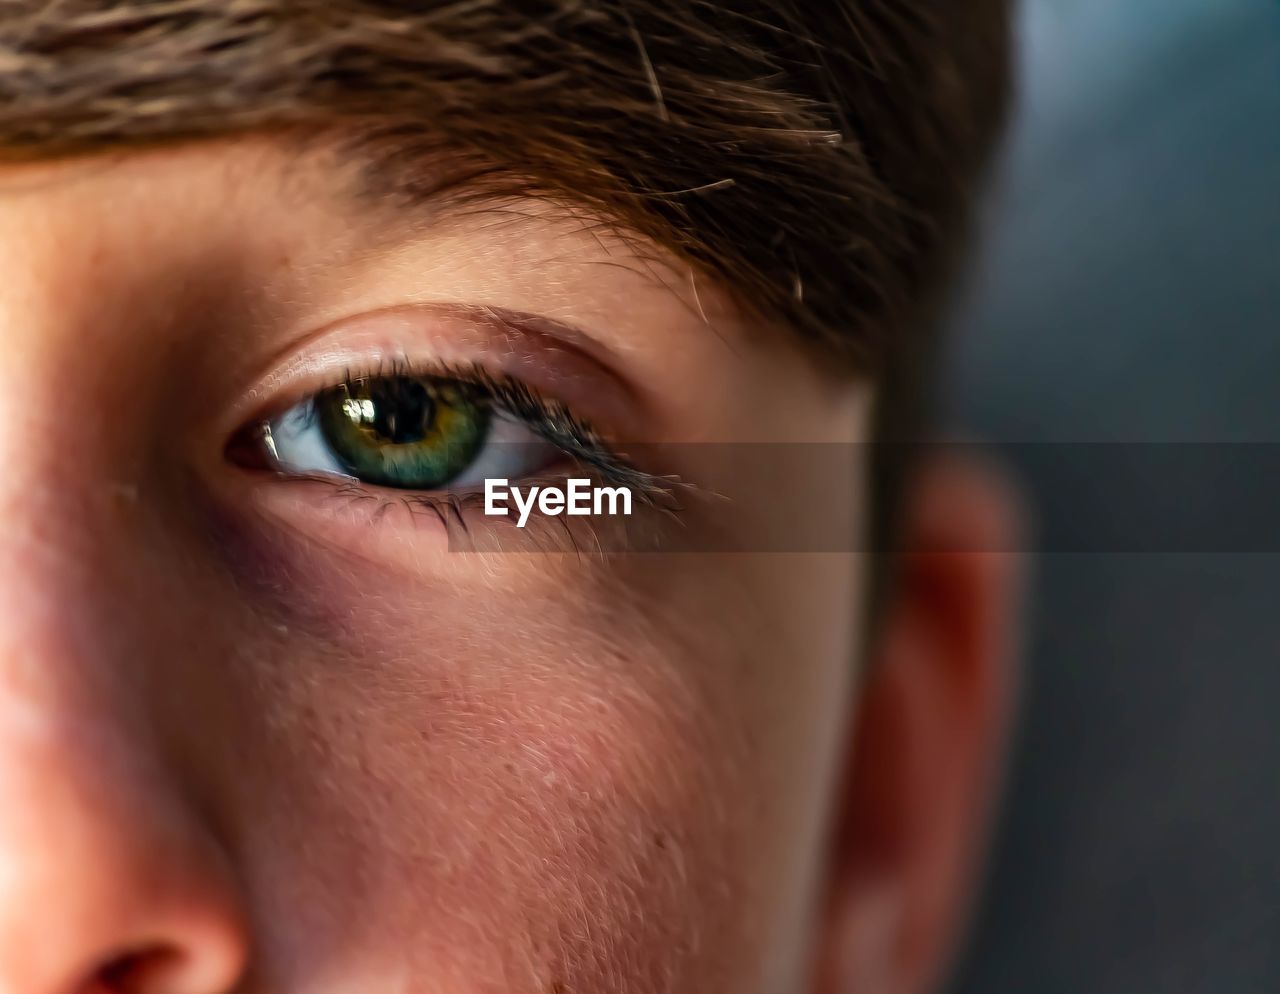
144 971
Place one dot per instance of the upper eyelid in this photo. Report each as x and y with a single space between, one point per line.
441 336
501 323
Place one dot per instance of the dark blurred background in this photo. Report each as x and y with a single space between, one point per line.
1128 293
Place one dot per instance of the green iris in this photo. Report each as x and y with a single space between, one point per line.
415 433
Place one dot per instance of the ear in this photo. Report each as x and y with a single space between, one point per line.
925 750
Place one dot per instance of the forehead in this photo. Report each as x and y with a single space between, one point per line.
305 220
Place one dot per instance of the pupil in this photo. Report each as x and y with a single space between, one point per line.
403 411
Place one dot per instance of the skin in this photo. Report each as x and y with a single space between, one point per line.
258 738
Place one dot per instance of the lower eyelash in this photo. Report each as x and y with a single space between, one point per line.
457 511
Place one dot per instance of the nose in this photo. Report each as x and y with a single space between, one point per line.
112 879
106 884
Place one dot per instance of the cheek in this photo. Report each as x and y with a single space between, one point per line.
500 792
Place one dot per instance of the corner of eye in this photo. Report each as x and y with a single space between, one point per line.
248 447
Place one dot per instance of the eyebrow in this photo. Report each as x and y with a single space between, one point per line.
424 186
417 193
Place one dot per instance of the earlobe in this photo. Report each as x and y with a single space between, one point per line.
925 751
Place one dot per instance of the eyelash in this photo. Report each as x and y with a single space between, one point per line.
551 419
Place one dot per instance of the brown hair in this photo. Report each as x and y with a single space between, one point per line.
817 156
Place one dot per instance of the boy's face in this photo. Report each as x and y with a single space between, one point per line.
262 733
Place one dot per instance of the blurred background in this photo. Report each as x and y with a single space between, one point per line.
1128 292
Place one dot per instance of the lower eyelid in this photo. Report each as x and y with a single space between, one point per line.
409 530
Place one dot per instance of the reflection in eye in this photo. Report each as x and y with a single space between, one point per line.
410 432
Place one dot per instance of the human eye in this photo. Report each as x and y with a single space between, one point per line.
405 432
446 428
